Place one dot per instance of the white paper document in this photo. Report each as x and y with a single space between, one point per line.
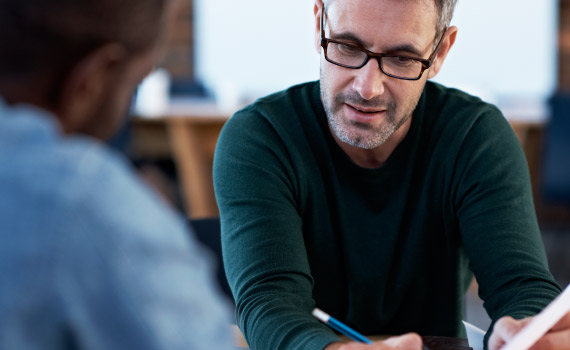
475 336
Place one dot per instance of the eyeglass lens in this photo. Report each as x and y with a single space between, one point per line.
354 57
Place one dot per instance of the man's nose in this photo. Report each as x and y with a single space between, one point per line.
369 81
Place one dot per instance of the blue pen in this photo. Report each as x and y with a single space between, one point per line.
339 326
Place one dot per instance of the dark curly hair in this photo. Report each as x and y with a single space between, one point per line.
52 35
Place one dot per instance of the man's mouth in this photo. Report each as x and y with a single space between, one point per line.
367 110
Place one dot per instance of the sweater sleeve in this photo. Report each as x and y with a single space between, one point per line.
494 206
262 237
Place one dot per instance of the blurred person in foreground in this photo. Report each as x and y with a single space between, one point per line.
89 257
376 195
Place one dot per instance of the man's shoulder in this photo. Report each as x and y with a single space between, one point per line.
452 100
109 199
107 189
454 122
75 178
32 143
73 192
452 110
88 167
283 114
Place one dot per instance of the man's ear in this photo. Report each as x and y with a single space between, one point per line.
446 45
318 12
86 83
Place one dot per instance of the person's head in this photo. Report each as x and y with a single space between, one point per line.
365 106
79 59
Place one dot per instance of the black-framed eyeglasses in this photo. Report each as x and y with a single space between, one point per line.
355 57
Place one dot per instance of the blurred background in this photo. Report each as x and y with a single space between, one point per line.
225 54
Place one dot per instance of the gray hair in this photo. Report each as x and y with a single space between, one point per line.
445 10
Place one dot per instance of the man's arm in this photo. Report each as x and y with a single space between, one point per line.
262 238
498 225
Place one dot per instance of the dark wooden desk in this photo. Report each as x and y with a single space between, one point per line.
445 343
187 132
430 343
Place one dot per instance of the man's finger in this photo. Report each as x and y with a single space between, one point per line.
505 328
553 340
406 341
563 324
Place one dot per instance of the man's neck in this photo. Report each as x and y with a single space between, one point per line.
375 157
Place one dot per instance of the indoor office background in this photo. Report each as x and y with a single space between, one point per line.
224 54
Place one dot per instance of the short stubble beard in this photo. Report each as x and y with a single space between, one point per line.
371 137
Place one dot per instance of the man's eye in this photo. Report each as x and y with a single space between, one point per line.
401 61
348 50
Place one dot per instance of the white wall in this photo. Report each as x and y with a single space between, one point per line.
255 46
504 48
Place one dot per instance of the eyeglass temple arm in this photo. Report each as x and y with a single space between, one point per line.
434 54
322 22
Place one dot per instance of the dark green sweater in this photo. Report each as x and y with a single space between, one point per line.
387 250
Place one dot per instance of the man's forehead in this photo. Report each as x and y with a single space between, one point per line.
405 21
328 3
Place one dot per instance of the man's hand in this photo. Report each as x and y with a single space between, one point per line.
409 341
557 338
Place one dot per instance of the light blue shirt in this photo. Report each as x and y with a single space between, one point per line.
89 257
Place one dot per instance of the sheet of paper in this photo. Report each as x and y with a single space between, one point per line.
541 323
475 336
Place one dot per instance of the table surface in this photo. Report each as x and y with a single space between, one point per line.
434 343
445 343
430 342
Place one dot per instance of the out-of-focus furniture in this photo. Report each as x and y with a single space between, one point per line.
530 135
193 141
556 157
188 132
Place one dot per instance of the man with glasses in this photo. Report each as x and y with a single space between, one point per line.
375 195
